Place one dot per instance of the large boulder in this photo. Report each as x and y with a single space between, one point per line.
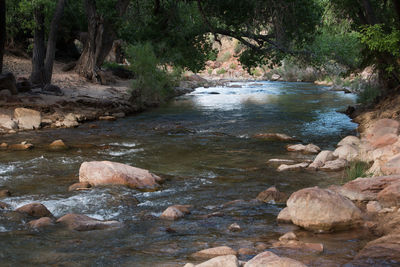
366 189
269 259
391 166
28 119
79 222
35 210
284 216
221 261
347 152
41 223
390 196
112 173
214 252
350 140
380 129
322 210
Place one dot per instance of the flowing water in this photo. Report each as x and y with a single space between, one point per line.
202 144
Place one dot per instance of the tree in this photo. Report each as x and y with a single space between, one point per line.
102 31
2 31
43 59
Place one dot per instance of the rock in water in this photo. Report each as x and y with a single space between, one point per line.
274 137
35 210
322 210
171 213
28 119
113 173
221 261
272 195
79 222
213 252
268 258
40 223
58 144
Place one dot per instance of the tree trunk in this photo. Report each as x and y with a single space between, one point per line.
51 42
39 49
2 31
100 38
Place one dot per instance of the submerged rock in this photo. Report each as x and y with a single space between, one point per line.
214 252
274 137
268 258
79 222
79 186
35 210
113 173
280 161
299 245
322 210
272 195
22 146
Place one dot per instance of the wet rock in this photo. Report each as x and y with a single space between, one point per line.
113 173
234 227
214 252
171 213
58 144
347 152
35 210
390 195
4 205
274 137
107 118
79 186
79 222
5 193
339 213
365 189
280 161
299 245
28 119
350 140
294 167
321 159
40 223
284 216
306 149
373 207
246 251
7 122
22 146
380 252
272 195
288 236
268 258
334 165
221 261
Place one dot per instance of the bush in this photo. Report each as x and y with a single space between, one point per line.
209 71
221 71
153 84
233 66
238 48
368 95
225 57
356 169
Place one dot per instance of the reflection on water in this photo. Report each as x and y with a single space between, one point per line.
202 144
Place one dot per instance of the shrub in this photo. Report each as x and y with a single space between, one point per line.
238 48
368 95
233 66
221 71
209 71
153 84
356 169
225 57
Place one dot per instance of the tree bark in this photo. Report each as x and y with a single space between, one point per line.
101 35
51 42
39 49
2 31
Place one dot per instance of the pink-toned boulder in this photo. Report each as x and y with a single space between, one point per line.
35 210
365 189
221 261
79 222
392 165
112 173
321 159
334 165
40 223
350 140
347 152
268 258
214 252
384 140
322 210
382 127
390 196
272 195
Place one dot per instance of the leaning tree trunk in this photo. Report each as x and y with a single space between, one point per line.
100 38
2 31
39 49
52 40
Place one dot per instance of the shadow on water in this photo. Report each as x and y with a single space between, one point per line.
202 143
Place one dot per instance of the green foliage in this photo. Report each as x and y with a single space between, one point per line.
153 84
233 66
356 169
225 57
209 71
221 71
255 72
239 47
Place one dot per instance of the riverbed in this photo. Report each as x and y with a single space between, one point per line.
203 145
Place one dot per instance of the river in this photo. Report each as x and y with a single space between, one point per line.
202 144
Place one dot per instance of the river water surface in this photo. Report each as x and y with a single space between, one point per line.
202 144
